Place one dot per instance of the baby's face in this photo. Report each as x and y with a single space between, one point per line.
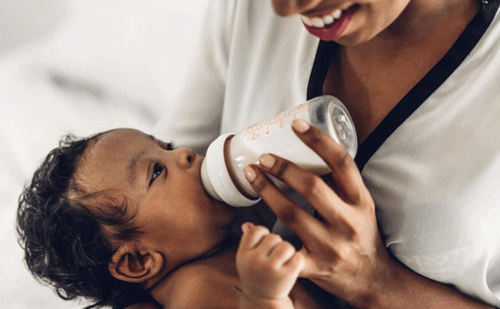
163 187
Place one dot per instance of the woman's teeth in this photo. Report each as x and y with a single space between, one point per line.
321 22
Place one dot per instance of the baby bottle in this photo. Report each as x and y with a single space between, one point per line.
222 169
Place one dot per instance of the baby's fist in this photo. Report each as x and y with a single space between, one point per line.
268 266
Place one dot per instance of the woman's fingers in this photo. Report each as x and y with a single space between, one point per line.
305 226
345 173
339 246
310 186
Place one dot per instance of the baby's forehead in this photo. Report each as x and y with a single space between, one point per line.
119 143
108 158
119 137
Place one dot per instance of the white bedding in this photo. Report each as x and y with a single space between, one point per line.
109 64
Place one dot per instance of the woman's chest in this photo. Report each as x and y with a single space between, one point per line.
369 93
435 183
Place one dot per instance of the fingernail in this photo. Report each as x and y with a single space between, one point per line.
250 173
300 125
267 160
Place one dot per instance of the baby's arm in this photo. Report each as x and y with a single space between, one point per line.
268 268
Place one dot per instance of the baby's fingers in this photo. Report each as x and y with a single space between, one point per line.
282 252
296 263
252 235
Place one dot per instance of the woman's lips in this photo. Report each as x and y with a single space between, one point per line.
329 26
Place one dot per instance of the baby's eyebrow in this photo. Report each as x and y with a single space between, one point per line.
133 166
162 144
133 162
136 158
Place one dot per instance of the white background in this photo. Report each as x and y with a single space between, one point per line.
79 66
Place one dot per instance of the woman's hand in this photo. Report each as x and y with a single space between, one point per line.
343 249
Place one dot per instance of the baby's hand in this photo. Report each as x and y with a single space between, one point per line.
268 266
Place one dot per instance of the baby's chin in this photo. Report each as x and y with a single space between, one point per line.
226 214
222 212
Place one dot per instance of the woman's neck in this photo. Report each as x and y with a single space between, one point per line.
372 77
423 23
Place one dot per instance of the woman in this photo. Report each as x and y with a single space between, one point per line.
420 79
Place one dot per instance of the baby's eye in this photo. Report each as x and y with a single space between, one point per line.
157 170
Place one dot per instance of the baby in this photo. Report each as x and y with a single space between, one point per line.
120 218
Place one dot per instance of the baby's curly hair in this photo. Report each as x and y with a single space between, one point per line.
62 231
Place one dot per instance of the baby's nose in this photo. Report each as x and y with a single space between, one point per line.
185 157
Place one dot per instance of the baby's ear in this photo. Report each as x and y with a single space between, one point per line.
132 265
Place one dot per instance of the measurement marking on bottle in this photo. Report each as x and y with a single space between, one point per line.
277 121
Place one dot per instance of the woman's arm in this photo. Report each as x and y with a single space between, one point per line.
343 249
404 288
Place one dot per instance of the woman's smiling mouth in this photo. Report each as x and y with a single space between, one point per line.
329 26
322 21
